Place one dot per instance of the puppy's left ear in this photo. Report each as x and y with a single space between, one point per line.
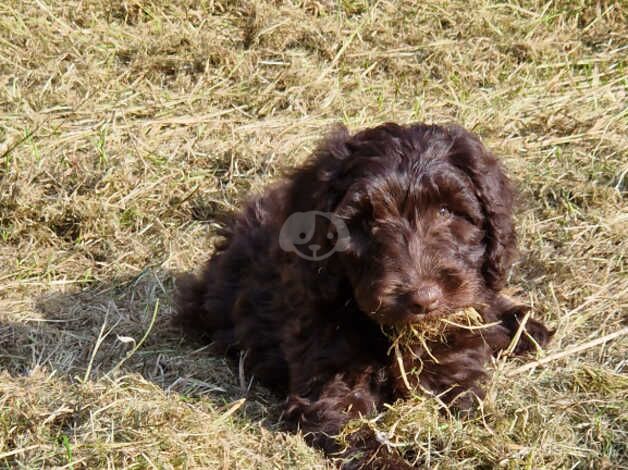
494 191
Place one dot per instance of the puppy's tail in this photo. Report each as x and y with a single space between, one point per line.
189 296
201 310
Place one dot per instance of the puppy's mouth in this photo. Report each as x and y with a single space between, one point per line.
417 318
463 313
403 317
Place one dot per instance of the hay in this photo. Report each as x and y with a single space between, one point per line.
405 339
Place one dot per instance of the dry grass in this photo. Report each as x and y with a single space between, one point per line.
126 129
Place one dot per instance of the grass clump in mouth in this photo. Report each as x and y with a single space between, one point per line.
411 342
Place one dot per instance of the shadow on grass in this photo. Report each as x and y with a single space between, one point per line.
123 326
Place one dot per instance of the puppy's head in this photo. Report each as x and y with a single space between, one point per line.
428 212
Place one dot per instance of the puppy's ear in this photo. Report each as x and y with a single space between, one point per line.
495 193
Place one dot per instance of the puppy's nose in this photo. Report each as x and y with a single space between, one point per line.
427 297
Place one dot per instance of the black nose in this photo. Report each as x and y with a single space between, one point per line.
427 297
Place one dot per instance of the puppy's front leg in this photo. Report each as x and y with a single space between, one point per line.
323 414
344 397
511 315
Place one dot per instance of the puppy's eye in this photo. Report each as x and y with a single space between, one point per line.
443 211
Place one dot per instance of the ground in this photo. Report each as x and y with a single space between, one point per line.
128 128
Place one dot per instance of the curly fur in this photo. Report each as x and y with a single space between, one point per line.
429 215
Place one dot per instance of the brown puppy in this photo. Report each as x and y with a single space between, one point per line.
383 227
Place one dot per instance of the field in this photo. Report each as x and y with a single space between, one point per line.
128 128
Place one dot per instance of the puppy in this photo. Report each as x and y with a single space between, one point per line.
389 226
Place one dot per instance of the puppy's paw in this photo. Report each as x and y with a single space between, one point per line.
534 332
